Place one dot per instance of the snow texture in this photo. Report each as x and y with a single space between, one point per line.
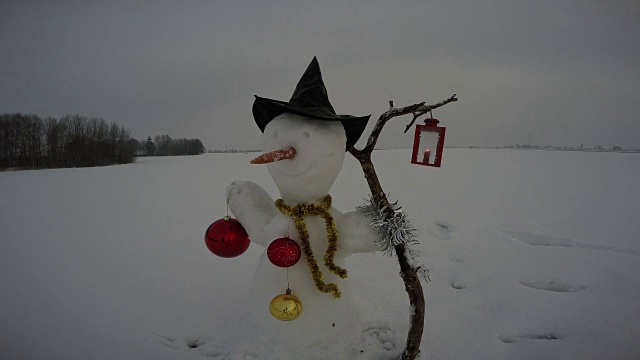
533 255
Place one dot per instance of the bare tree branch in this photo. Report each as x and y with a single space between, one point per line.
382 120
425 109
409 273
415 116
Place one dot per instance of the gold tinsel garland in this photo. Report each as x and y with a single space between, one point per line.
297 213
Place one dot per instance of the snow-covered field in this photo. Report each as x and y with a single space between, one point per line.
533 255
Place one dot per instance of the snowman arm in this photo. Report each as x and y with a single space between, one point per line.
253 208
355 233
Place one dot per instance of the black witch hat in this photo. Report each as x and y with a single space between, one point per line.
309 100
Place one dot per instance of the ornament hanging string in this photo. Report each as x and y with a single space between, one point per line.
286 234
297 213
288 286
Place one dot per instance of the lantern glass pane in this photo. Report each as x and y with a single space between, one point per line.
428 147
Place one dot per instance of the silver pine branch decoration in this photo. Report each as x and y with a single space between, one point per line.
393 227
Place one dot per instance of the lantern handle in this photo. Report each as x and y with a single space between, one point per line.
431 121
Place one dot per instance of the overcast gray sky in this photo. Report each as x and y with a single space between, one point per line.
565 72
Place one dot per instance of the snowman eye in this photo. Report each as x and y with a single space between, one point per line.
306 134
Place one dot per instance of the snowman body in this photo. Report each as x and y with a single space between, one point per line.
325 321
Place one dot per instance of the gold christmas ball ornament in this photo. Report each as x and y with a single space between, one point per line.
285 307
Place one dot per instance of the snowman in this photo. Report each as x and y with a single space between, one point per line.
304 148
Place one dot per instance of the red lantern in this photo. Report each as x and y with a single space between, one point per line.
428 143
283 252
227 238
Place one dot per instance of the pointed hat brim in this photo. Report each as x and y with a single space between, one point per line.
309 100
265 110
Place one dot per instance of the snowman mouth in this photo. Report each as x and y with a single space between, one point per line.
287 152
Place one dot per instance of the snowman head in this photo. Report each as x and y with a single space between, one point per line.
307 173
309 100
305 139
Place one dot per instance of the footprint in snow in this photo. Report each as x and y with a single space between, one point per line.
192 344
553 285
543 240
444 230
376 343
530 336
458 284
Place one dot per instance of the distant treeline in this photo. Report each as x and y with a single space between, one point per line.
164 145
30 142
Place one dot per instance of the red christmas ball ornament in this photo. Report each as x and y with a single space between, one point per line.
227 238
283 252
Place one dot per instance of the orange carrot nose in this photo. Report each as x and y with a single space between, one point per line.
285 153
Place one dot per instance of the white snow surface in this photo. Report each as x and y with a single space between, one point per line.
532 255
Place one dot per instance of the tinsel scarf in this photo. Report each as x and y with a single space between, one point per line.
297 213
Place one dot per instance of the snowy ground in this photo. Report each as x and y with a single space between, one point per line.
533 255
